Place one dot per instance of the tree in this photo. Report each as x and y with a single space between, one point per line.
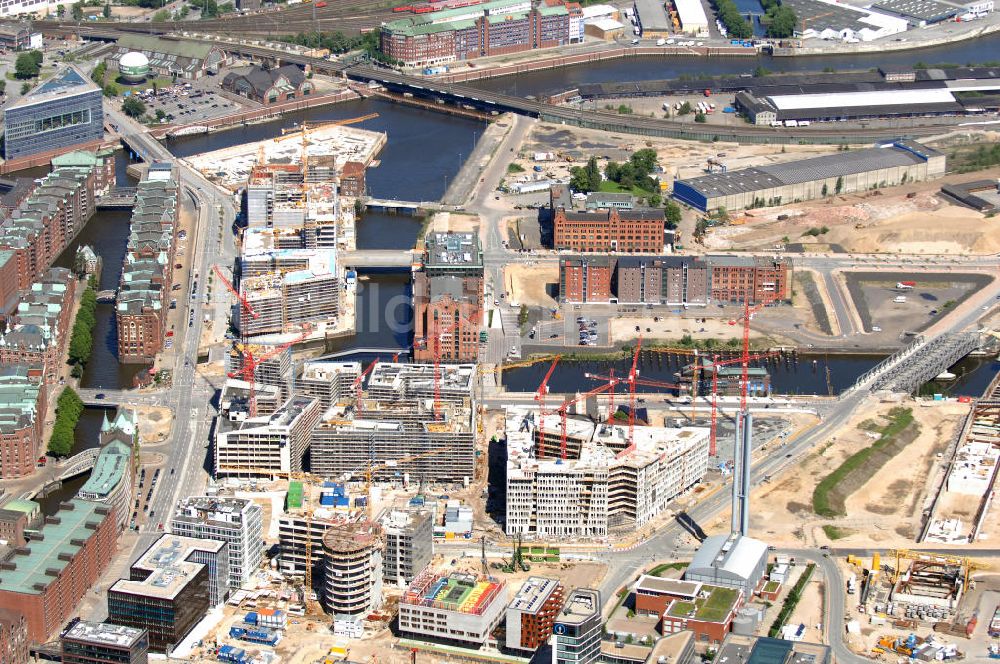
77 11
38 57
107 11
685 108
161 16
781 21
700 117
210 9
160 114
672 214
25 88
26 66
840 184
823 192
133 107
654 200
61 11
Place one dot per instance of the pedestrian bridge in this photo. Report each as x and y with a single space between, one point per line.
919 362
382 352
401 207
78 464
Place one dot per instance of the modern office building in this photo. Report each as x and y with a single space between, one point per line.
170 588
112 479
808 179
577 629
235 521
533 612
49 219
266 445
61 114
603 479
455 608
622 231
490 28
47 578
352 568
23 400
453 253
102 643
13 637
409 544
144 290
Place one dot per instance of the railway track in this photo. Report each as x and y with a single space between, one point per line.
492 101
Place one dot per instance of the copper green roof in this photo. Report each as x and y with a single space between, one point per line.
26 506
177 47
110 467
62 536
459 18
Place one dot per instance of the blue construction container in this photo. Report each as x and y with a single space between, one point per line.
232 654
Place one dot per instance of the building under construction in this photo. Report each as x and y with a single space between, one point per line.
930 581
604 481
284 301
392 382
352 568
329 382
266 445
400 442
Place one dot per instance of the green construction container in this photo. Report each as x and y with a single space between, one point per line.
294 500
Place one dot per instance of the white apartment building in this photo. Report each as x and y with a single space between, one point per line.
236 521
329 382
602 482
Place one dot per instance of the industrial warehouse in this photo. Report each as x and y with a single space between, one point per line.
839 173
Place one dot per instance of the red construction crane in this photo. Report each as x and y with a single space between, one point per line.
562 411
649 382
543 389
716 362
357 387
633 374
250 362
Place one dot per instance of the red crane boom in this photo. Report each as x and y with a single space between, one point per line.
543 389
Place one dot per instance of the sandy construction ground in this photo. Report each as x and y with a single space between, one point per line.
531 284
443 222
154 424
868 222
673 328
885 509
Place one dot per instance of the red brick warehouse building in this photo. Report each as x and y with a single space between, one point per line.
46 579
491 28
757 279
623 231
448 297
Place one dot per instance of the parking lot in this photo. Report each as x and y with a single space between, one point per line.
182 105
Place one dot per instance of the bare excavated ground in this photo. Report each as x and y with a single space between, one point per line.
884 508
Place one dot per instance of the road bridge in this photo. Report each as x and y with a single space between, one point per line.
402 352
920 362
403 207
117 198
107 296
379 258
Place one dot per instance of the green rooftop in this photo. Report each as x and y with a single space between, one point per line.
26 506
294 495
714 608
166 47
77 158
48 557
459 18
111 465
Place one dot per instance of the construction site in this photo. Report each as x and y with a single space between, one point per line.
914 604
232 166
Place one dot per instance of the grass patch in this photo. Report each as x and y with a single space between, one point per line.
611 187
771 586
713 608
794 595
660 569
829 494
514 168
835 533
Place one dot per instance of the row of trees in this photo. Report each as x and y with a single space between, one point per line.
68 409
81 341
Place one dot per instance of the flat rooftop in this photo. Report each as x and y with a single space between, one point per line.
453 250
457 591
167 561
105 634
532 595
921 10
652 16
583 603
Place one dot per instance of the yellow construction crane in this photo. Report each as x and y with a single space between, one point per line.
968 565
498 369
370 469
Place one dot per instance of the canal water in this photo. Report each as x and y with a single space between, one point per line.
550 81
791 375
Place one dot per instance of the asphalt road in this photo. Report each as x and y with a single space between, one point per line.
186 462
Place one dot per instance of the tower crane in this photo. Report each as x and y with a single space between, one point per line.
562 410
632 375
249 363
716 363
695 353
360 379
540 393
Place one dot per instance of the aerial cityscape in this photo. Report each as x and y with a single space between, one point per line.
499 331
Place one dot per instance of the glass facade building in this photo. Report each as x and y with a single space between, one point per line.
61 113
